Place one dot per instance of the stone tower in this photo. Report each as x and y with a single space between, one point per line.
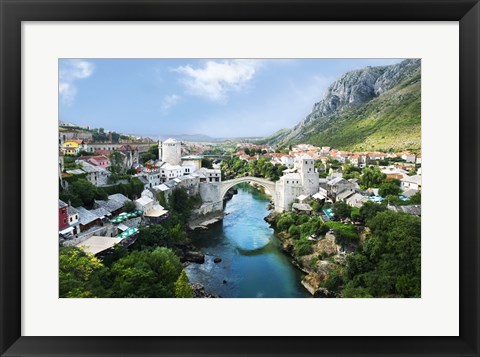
172 152
305 165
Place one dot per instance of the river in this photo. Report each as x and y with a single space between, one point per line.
252 266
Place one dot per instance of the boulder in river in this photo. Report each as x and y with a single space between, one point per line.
194 257
217 260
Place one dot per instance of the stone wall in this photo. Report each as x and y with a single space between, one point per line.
210 192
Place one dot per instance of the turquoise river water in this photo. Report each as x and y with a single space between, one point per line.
252 266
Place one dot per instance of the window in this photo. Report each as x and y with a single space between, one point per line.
71 219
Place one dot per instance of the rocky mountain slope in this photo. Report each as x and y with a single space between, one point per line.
374 108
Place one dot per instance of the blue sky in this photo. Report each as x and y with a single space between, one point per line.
215 97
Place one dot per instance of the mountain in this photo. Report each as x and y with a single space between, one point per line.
374 108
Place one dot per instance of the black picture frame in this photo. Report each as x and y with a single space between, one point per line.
13 12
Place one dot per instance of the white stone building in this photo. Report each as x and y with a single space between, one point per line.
98 176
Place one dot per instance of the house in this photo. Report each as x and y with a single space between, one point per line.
74 219
358 160
194 162
356 200
342 196
408 157
415 210
73 147
210 175
287 160
394 172
302 208
62 215
98 160
169 171
114 204
144 204
338 185
321 195
97 175
87 219
411 182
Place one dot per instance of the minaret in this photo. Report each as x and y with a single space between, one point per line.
159 150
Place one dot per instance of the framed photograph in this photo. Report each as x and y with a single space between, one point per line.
239 178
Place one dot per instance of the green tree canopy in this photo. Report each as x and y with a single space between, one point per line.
183 289
129 206
342 210
389 188
388 264
80 274
372 177
146 274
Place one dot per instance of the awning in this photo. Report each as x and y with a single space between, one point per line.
66 230
96 244
156 213
129 232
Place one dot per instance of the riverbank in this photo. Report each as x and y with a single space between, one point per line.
325 256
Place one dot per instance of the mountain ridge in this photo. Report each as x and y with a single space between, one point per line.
369 108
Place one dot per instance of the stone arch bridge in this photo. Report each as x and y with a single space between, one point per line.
267 184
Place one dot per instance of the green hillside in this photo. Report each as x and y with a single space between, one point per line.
391 121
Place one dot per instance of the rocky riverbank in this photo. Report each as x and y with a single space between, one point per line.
326 256
205 220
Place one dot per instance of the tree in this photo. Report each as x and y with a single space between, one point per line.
341 210
162 199
117 163
416 199
146 274
389 188
284 222
302 247
82 193
183 289
129 206
388 264
207 163
79 274
370 210
372 177
115 137
150 154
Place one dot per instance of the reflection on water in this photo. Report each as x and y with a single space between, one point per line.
252 264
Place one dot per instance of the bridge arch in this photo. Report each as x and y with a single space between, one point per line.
267 184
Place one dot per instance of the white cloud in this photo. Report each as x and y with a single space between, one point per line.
169 101
69 72
217 78
292 103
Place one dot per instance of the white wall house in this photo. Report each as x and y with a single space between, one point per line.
411 182
98 176
144 203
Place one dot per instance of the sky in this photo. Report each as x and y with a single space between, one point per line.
214 97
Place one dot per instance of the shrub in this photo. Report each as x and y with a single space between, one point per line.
302 247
